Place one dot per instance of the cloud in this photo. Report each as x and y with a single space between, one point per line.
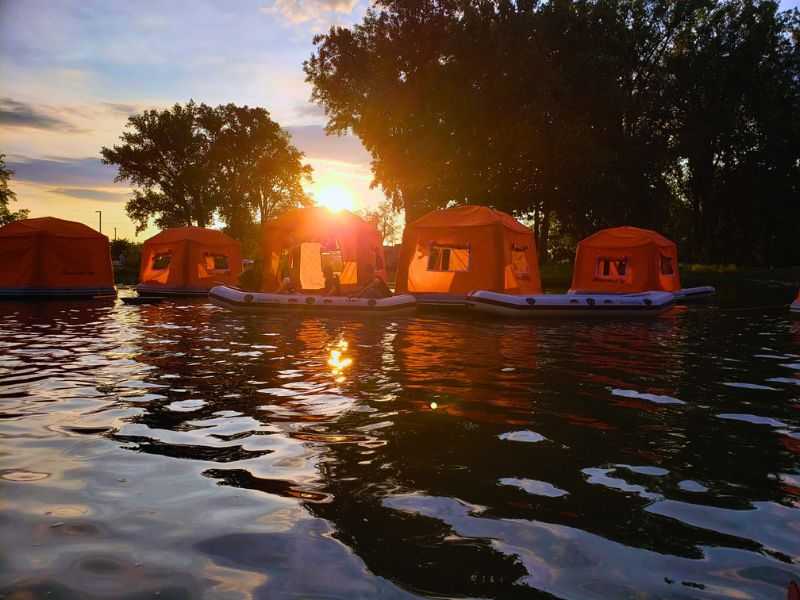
83 172
121 109
310 110
92 194
302 11
312 140
20 114
14 113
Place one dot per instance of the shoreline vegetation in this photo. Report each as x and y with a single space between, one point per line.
557 277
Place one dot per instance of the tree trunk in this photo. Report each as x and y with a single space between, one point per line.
701 186
544 237
412 204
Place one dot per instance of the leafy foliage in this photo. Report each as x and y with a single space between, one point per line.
7 195
678 115
194 162
386 219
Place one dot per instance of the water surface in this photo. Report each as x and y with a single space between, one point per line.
181 450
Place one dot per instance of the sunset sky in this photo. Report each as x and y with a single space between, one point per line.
72 72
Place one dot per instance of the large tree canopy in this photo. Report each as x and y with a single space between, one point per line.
7 195
190 163
681 115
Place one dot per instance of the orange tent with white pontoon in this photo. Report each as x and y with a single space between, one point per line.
626 260
455 251
305 240
50 257
188 261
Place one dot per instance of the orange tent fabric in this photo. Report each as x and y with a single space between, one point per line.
190 256
54 253
305 239
627 260
457 250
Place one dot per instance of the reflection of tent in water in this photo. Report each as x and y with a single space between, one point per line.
305 240
188 261
49 257
455 251
626 260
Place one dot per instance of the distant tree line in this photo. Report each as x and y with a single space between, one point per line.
677 115
384 217
193 163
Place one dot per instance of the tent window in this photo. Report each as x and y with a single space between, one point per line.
161 261
333 259
666 265
217 262
448 258
519 262
613 269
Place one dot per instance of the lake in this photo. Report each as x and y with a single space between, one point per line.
183 451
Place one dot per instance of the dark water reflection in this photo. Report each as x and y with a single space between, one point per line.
182 450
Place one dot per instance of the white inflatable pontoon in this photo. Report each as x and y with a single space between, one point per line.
261 302
58 293
795 307
648 304
683 295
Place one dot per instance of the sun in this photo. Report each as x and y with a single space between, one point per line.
335 197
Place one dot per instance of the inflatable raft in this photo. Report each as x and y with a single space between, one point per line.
58 293
648 304
261 302
682 295
795 306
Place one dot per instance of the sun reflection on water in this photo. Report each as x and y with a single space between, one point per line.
338 361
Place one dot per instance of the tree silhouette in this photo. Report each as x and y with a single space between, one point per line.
678 115
193 162
7 195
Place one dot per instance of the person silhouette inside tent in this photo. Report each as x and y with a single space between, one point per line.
286 287
332 285
375 286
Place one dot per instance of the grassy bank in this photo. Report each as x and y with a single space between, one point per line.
558 277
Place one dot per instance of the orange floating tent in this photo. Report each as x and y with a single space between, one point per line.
304 240
626 260
188 261
458 250
52 257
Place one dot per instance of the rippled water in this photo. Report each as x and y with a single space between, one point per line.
181 450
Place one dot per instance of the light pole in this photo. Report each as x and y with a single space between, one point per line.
100 217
